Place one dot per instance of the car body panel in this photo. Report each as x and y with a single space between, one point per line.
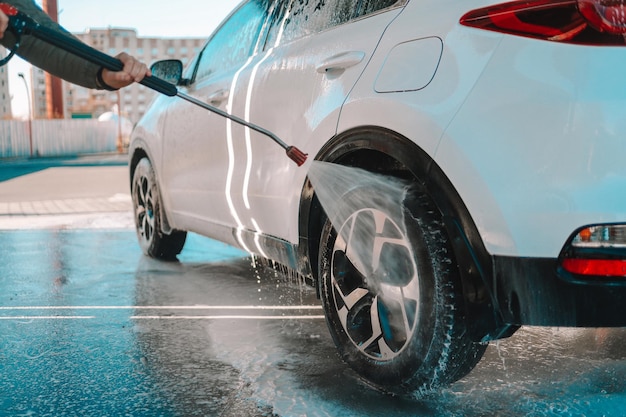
554 167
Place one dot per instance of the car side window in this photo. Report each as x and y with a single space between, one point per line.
307 17
372 6
276 23
234 41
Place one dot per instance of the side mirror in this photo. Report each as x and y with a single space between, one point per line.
170 70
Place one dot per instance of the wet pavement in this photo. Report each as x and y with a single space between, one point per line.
91 327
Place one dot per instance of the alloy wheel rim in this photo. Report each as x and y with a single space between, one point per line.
375 286
144 208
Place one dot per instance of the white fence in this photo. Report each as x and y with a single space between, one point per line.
57 137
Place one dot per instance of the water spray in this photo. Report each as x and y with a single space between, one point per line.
333 183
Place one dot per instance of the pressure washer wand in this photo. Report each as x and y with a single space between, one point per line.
20 24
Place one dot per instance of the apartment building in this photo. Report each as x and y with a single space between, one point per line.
132 101
5 95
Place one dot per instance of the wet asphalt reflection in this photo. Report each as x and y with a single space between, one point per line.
90 327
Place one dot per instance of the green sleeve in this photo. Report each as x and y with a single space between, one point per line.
47 57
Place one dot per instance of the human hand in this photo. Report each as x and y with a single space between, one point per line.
4 23
134 71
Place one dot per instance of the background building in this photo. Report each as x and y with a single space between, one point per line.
38 93
5 96
131 101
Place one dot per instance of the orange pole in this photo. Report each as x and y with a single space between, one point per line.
54 86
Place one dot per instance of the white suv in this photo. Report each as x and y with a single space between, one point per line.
472 155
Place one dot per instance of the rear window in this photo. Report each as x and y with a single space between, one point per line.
307 17
372 6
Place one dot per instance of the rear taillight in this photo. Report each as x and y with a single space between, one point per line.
596 267
605 15
596 251
593 22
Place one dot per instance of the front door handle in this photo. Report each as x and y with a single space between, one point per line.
340 61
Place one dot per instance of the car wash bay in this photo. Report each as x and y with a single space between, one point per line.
92 327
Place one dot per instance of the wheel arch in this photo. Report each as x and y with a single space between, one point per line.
384 151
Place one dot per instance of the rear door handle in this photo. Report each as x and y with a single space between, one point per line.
218 96
340 61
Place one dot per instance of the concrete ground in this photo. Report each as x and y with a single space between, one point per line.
75 190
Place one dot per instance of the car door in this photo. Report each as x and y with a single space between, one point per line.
314 53
196 141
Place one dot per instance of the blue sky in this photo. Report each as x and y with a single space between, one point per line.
149 17
173 18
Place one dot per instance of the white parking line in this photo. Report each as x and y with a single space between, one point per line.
231 317
260 316
47 317
235 317
191 307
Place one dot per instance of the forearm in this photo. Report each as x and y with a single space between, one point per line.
47 57
59 63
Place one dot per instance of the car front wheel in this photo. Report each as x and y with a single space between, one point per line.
147 210
391 293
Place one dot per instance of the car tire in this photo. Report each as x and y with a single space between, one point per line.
396 311
147 213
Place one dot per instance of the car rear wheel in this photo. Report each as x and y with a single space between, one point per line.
392 296
147 210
